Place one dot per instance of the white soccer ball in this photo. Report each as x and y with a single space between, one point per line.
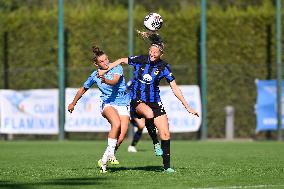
153 21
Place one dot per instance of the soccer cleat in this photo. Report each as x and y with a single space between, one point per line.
158 149
132 149
102 166
169 170
113 160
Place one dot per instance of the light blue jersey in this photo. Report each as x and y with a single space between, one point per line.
116 94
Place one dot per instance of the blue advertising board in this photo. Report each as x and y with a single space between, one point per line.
266 105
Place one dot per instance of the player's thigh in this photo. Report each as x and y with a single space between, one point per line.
162 125
111 114
144 110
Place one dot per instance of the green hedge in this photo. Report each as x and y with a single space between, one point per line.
238 51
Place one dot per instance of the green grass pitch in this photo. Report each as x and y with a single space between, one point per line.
199 165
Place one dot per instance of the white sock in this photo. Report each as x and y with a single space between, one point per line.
109 150
111 146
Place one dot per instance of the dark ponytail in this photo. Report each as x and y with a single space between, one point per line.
97 52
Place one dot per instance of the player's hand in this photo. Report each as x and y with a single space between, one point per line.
70 108
103 79
101 72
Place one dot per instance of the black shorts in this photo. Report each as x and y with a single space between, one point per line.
157 108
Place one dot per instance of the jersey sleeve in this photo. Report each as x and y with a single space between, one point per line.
168 74
91 80
133 60
118 70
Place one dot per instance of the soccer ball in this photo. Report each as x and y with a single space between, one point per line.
153 21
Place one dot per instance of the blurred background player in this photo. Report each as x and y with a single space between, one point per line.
114 103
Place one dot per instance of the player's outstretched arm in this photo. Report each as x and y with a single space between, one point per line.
78 95
179 95
112 65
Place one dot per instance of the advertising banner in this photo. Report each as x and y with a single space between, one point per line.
29 112
266 105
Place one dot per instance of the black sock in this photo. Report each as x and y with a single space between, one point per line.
136 137
149 123
166 147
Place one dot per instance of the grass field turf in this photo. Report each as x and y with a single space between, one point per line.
73 164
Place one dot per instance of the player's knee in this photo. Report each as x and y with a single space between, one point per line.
165 135
116 126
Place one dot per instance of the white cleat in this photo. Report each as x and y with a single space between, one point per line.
132 149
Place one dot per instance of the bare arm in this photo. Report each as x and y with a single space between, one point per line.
78 95
179 95
112 82
112 65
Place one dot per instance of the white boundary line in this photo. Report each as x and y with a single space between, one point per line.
241 187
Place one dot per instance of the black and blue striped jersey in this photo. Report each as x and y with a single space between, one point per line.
146 78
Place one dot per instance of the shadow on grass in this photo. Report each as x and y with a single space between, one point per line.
80 182
55 182
145 168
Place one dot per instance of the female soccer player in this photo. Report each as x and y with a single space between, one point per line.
114 103
145 98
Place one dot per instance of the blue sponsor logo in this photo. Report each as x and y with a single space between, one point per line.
16 100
